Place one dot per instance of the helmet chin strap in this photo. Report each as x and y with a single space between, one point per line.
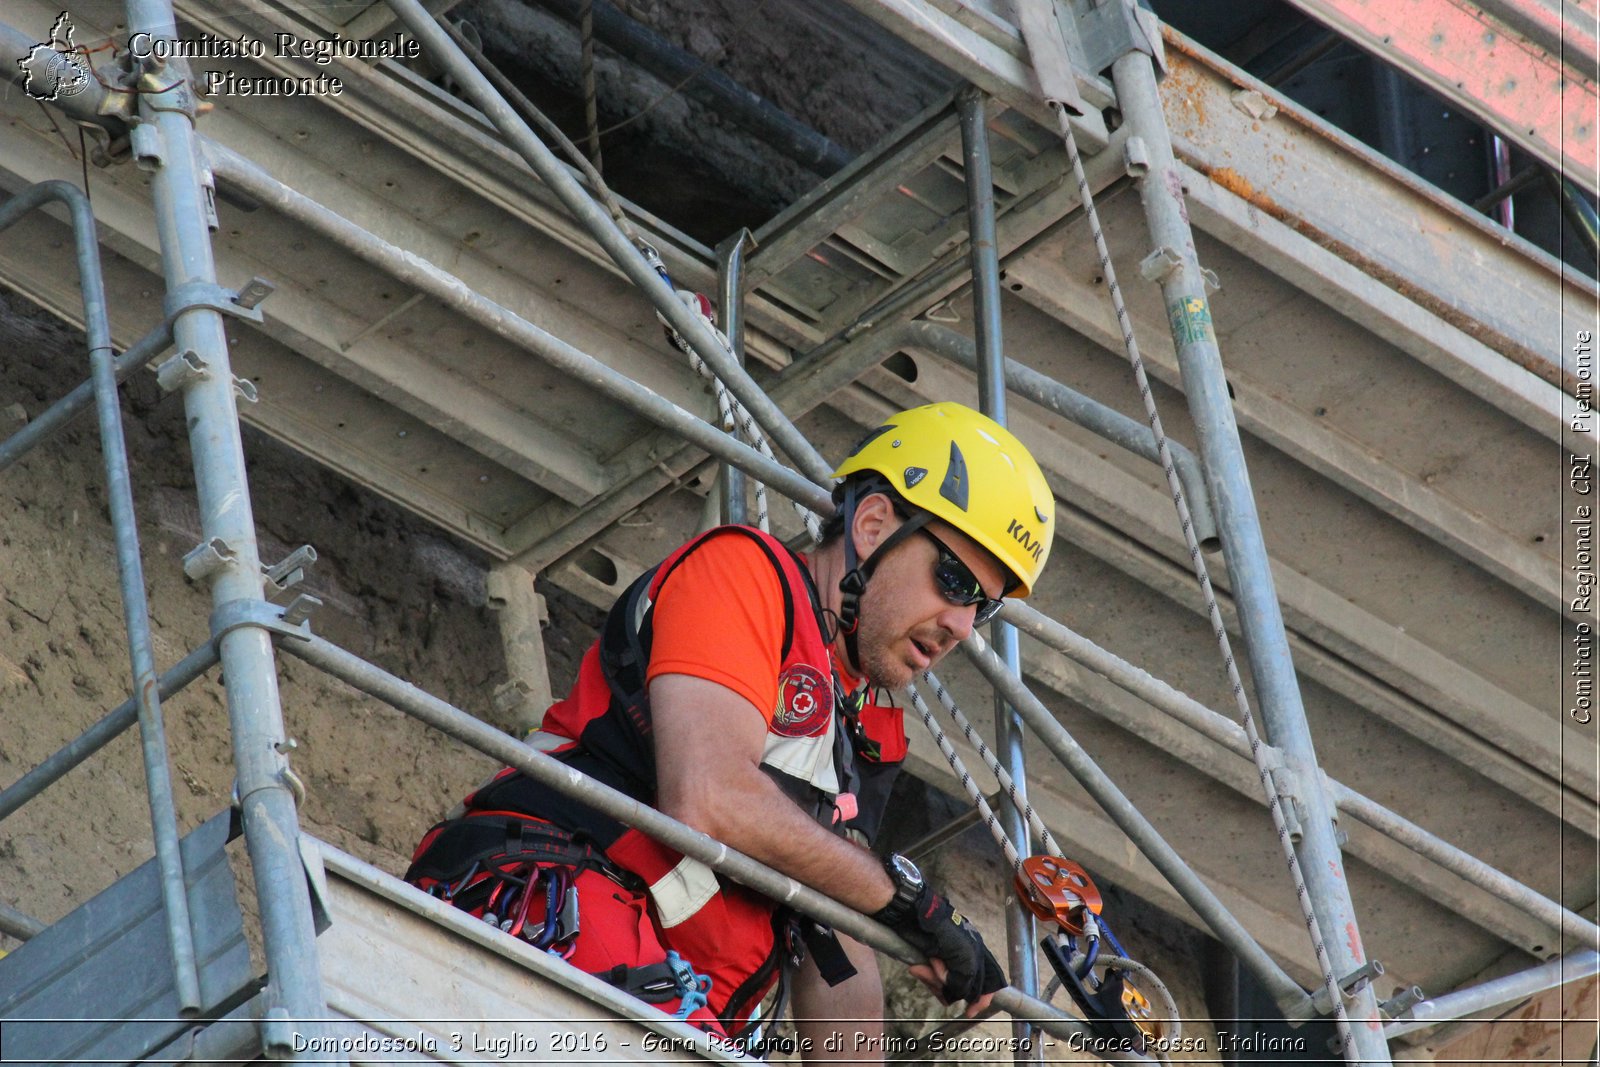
858 572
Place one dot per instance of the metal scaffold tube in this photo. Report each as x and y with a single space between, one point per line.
1561 921
165 146
141 654
1271 665
813 377
1184 709
437 43
730 309
985 258
92 103
452 721
81 398
1104 421
102 733
19 925
130 573
1492 994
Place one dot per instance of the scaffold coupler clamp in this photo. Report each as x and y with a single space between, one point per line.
1061 892
1319 1005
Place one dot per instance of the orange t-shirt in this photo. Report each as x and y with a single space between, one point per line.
719 616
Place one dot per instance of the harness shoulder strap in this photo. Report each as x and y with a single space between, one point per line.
625 640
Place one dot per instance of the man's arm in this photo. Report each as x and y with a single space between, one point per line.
709 741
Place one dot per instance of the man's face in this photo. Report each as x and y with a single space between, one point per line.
907 624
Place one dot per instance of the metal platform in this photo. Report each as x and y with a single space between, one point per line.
99 986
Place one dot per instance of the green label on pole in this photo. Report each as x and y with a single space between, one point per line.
1190 317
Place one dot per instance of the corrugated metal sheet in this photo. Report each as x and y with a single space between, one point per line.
98 985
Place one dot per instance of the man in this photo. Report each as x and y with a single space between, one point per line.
729 689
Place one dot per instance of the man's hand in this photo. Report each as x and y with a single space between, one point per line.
959 966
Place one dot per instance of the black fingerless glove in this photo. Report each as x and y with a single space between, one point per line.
938 931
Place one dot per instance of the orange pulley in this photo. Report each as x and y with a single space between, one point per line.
1056 890
1059 891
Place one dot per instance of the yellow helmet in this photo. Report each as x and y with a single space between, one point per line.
969 471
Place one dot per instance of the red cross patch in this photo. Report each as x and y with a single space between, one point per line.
805 702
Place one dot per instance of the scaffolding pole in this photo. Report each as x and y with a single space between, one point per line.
102 733
1091 414
815 376
20 925
1561 921
453 293
1492 994
81 398
1184 709
1008 732
130 573
1176 265
1285 992
164 144
730 309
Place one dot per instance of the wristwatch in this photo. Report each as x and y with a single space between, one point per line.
908 886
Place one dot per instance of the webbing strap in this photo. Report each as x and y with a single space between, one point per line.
656 983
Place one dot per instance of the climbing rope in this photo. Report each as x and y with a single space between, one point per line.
735 418
1109 961
591 105
1035 824
1202 574
529 110
1009 850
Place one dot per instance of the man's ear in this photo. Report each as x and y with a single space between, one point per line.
874 520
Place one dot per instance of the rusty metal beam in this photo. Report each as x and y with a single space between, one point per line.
1525 67
1292 166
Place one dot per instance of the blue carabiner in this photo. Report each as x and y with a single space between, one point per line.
694 989
552 903
450 891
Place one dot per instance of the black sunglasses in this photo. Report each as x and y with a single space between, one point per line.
957 583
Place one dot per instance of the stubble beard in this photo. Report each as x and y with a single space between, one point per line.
875 645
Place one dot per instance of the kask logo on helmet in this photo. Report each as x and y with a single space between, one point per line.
1020 534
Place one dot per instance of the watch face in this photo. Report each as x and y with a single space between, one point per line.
906 870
